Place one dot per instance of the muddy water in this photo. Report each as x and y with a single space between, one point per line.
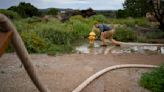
97 49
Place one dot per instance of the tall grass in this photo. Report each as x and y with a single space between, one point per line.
125 34
131 21
34 43
155 34
82 29
51 37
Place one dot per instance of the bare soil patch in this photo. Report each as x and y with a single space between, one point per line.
64 73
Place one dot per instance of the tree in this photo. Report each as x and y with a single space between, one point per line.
139 8
157 7
25 9
121 14
88 12
136 8
52 11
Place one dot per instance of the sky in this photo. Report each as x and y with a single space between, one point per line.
74 4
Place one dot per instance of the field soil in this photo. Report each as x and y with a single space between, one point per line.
65 72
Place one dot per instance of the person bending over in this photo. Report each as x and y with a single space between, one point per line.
106 33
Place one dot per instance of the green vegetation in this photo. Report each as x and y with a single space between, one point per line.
156 34
106 13
33 42
121 14
99 18
10 14
139 8
54 37
136 8
80 25
129 34
153 80
25 10
130 22
51 37
125 34
52 11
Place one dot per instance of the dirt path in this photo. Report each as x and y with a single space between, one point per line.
64 73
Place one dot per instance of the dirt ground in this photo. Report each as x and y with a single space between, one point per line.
64 73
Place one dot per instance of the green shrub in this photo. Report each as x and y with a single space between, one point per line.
130 21
56 33
141 39
10 14
125 34
100 18
58 37
82 29
142 22
23 27
52 11
156 34
25 10
32 20
42 37
122 14
77 18
33 42
51 41
153 80
52 36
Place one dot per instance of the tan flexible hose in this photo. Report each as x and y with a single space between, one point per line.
100 73
22 53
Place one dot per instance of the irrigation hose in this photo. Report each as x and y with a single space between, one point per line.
100 73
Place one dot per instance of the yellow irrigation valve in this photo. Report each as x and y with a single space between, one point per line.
92 37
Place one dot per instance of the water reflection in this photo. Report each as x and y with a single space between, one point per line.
97 49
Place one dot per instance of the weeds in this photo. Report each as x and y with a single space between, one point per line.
153 80
156 34
125 34
131 22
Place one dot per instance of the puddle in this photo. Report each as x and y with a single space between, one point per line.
139 49
97 49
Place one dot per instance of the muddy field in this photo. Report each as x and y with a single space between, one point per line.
64 73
